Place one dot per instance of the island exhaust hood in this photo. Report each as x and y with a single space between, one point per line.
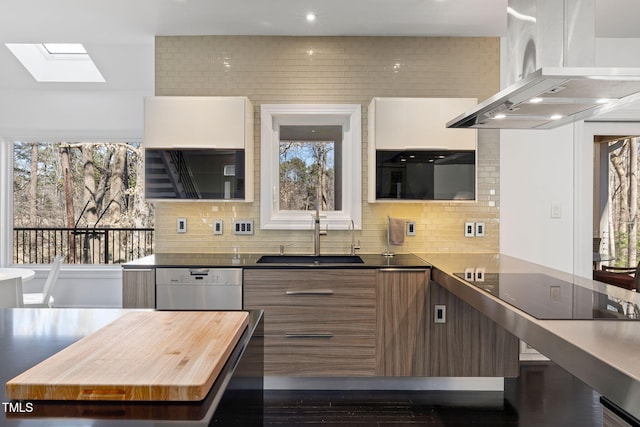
554 96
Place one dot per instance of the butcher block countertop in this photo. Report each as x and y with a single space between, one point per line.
160 355
121 344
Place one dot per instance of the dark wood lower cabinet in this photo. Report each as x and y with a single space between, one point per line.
139 288
360 322
318 322
402 323
469 344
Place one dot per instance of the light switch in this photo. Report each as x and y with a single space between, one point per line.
411 228
469 229
182 225
479 229
217 226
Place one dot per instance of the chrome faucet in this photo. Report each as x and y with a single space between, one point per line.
353 239
316 224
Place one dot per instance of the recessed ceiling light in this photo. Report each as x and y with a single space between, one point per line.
536 100
311 17
500 116
57 62
556 117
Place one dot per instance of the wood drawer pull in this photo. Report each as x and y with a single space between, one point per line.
319 335
316 292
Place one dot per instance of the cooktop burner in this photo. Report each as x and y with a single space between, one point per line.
546 297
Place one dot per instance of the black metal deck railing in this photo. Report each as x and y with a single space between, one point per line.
104 245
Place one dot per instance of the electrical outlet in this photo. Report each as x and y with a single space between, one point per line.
479 229
217 226
181 226
411 228
469 229
439 313
243 227
479 274
469 274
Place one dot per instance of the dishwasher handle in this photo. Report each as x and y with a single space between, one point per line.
199 271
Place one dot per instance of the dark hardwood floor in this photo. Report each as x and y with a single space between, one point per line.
543 395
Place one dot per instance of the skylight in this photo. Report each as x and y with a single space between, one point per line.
65 48
57 62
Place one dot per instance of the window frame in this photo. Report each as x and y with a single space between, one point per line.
347 115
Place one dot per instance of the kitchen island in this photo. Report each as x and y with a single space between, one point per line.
602 353
29 336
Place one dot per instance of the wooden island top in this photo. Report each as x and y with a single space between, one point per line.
158 355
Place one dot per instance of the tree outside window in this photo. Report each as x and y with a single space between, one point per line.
71 197
305 166
618 228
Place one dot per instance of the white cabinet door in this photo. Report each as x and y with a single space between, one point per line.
197 122
419 123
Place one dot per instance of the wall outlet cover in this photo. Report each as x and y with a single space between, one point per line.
480 229
439 313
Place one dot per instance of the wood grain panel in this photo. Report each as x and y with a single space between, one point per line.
139 288
339 320
328 314
159 355
402 323
469 344
337 356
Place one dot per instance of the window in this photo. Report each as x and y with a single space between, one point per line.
617 198
310 154
80 200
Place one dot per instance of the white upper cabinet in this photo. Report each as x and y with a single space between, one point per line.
419 124
198 122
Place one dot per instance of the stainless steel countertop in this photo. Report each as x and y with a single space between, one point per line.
605 354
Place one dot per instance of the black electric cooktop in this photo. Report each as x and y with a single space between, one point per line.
546 297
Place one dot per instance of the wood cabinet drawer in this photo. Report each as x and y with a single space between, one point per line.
339 320
321 355
305 288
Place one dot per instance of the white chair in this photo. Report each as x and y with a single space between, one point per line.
45 298
11 292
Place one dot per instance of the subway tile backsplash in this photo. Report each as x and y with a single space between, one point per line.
334 70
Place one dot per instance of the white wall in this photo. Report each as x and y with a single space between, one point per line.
536 171
72 115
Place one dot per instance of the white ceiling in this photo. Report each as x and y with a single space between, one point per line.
118 34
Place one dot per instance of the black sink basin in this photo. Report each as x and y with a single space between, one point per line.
310 259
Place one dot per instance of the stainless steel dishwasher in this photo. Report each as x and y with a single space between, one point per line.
199 288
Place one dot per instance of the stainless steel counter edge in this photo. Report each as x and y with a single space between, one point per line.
603 354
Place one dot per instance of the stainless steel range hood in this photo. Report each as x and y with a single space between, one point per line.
551 97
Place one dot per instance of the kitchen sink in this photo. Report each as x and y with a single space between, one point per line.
310 259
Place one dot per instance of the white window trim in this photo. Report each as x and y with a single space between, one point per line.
348 115
6 202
